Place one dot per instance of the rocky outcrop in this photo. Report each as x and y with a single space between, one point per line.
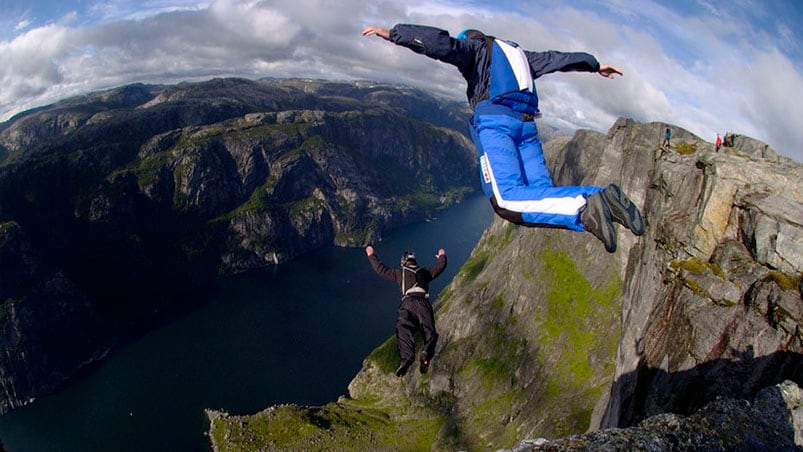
712 303
544 334
115 206
773 421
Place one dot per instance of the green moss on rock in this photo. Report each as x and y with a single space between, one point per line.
474 266
698 266
386 356
575 329
784 281
346 425
686 148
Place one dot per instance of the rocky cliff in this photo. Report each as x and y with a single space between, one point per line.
544 334
117 205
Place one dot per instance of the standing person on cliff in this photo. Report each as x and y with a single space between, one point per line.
513 171
415 311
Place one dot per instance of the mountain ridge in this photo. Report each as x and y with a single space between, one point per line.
116 206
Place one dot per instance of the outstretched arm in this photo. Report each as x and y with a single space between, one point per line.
550 61
391 274
439 266
430 41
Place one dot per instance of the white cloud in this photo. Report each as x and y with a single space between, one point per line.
685 69
22 25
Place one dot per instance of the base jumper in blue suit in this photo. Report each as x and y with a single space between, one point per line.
501 90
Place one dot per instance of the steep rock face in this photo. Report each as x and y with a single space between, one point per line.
35 324
121 203
544 334
773 421
713 292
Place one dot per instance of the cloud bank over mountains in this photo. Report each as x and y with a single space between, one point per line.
707 66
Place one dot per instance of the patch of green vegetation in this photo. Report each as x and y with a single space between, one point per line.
509 233
426 201
486 417
499 301
443 297
496 366
784 281
257 203
386 356
575 326
686 148
778 315
313 142
147 169
696 288
353 238
698 266
499 242
493 368
576 421
303 206
474 266
453 349
345 425
553 388
727 303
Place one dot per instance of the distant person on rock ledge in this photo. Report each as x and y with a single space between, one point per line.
513 171
415 312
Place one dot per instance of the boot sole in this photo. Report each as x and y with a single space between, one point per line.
623 210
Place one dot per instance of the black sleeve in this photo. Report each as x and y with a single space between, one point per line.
438 268
542 63
391 274
435 43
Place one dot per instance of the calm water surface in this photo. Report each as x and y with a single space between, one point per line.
294 334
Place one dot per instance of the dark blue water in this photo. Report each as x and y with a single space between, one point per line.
294 334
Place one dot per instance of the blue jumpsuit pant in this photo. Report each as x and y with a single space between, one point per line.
514 173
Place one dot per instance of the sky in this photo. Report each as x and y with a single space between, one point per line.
708 66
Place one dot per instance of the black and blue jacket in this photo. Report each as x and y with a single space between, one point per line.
494 69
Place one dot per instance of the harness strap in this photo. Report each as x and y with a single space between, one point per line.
415 289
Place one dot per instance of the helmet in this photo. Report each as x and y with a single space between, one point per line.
408 257
470 33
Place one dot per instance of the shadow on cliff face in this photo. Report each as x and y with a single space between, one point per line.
649 391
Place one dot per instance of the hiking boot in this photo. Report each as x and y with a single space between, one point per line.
623 210
596 218
403 368
424 367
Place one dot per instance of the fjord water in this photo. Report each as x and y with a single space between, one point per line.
296 333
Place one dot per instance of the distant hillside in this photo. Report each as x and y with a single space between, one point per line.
116 205
543 334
